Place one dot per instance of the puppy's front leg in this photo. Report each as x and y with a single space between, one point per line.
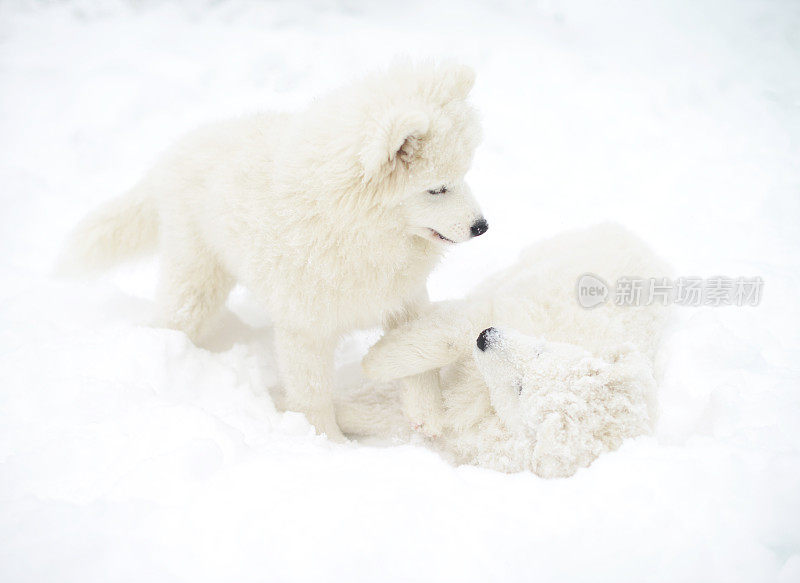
422 403
422 394
306 365
433 339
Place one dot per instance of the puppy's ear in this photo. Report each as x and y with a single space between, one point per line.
393 140
456 82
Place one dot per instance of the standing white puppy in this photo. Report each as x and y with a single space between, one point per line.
333 217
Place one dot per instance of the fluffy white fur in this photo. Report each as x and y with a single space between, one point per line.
557 384
324 215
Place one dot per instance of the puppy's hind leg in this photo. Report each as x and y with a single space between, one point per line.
192 289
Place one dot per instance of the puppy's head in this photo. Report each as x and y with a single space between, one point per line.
518 369
420 139
572 406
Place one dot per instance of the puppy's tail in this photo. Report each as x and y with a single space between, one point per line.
119 230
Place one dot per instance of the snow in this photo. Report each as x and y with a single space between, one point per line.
129 454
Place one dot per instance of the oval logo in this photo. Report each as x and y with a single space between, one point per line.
591 290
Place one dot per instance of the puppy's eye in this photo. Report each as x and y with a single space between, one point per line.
440 190
519 387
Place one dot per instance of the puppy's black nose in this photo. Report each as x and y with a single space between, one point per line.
483 341
479 227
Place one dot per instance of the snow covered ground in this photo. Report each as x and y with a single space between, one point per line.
128 454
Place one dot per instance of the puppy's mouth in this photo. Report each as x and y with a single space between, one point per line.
437 235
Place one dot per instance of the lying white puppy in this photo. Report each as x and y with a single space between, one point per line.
548 385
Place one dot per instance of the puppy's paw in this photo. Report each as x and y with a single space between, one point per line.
383 361
432 428
425 418
324 422
373 367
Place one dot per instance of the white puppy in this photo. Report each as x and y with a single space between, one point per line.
333 217
548 389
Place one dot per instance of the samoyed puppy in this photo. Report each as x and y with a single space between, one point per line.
531 380
333 217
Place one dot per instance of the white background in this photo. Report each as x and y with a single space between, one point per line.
128 454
